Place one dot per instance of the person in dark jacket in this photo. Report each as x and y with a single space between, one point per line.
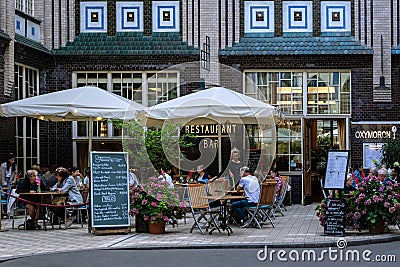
30 184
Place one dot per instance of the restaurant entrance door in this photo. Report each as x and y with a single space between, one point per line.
319 136
307 145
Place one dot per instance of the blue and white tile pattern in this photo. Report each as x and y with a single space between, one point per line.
259 16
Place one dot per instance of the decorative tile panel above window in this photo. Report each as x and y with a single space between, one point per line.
259 16
93 17
129 16
335 16
33 31
165 16
19 25
297 16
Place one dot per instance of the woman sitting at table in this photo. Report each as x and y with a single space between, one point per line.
67 184
29 184
203 177
348 186
275 175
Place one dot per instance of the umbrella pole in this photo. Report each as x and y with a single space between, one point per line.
90 139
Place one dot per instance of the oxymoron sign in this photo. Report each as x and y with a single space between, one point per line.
109 189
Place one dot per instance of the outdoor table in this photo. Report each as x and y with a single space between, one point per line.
44 197
223 211
235 192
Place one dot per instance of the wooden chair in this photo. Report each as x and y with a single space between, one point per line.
260 213
218 187
199 207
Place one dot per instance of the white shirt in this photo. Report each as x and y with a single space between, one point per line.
78 180
168 179
86 181
251 187
133 181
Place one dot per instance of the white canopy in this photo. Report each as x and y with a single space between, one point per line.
75 104
78 104
213 105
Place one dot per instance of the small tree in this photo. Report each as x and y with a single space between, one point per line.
390 152
153 149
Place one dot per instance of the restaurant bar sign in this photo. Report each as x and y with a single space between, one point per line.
210 129
382 132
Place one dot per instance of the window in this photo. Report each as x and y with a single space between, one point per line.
26 84
25 6
162 87
288 152
259 154
327 92
282 89
128 85
147 88
98 79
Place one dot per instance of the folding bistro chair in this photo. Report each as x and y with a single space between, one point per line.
183 197
262 211
278 205
200 209
14 207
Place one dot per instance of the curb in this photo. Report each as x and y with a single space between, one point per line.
261 245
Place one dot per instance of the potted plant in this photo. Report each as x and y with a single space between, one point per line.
157 204
375 204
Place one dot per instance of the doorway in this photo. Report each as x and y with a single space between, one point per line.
319 136
82 150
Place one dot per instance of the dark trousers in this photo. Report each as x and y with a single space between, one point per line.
238 207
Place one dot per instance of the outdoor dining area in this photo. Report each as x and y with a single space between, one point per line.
207 206
210 203
40 209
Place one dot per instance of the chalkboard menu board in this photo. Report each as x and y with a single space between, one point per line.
109 189
335 212
254 159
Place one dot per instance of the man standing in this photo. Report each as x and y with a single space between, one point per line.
249 184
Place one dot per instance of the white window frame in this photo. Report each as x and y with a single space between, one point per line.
28 90
304 92
26 6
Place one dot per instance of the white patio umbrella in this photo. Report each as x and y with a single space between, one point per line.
216 104
78 104
210 106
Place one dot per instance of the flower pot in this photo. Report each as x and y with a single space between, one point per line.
157 228
141 226
378 228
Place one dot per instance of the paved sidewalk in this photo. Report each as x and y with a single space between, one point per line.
298 228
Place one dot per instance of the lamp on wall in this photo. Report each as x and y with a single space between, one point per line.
382 85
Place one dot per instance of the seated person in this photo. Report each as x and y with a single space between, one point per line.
133 180
203 177
275 175
66 183
86 181
395 174
348 186
29 184
166 177
383 176
251 189
373 172
52 180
